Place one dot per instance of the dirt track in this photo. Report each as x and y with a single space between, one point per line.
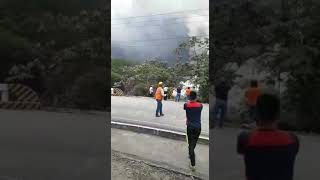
132 169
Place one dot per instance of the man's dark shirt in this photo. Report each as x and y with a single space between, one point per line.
179 90
222 91
269 154
193 111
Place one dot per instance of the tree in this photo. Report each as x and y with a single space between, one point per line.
198 63
55 52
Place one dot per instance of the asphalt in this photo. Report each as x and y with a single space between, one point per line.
228 165
65 146
164 152
141 111
53 146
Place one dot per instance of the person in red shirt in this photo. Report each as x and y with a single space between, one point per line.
193 113
269 153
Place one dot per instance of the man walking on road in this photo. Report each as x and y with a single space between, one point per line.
159 96
268 152
220 106
178 94
193 112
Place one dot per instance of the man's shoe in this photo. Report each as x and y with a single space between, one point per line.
157 115
161 114
193 168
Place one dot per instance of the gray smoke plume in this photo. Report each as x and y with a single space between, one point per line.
131 37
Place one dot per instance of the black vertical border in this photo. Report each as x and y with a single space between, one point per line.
211 66
107 27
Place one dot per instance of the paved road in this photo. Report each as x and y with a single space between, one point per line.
172 154
141 110
228 165
53 146
46 145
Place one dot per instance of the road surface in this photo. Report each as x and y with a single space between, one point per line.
166 153
65 146
228 165
141 110
43 145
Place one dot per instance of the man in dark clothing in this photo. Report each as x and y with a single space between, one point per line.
178 94
193 112
220 106
269 154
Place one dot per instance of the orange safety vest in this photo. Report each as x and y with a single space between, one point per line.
188 92
252 96
158 94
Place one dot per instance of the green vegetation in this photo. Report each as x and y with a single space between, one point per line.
117 66
283 37
59 48
137 78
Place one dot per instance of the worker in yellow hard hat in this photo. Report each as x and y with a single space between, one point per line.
159 96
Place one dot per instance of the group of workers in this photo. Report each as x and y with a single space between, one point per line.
265 147
251 95
268 152
177 93
193 110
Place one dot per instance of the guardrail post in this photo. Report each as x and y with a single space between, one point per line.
4 93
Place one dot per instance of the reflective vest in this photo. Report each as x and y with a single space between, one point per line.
188 92
158 94
252 96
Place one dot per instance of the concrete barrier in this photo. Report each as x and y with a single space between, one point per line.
18 96
156 131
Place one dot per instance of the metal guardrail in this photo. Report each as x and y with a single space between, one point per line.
20 97
116 92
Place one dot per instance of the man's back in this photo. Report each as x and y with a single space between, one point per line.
178 90
188 90
269 154
221 91
251 95
193 111
159 93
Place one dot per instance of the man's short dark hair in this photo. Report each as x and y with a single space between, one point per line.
268 108
254 83
193 95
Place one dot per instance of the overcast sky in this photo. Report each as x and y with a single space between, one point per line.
139 32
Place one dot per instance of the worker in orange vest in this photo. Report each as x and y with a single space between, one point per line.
188 90
251 96
159 96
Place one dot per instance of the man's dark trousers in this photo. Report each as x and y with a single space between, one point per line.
193 136
159 107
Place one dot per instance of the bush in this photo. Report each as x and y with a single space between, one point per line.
115 77
139 90
90 91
